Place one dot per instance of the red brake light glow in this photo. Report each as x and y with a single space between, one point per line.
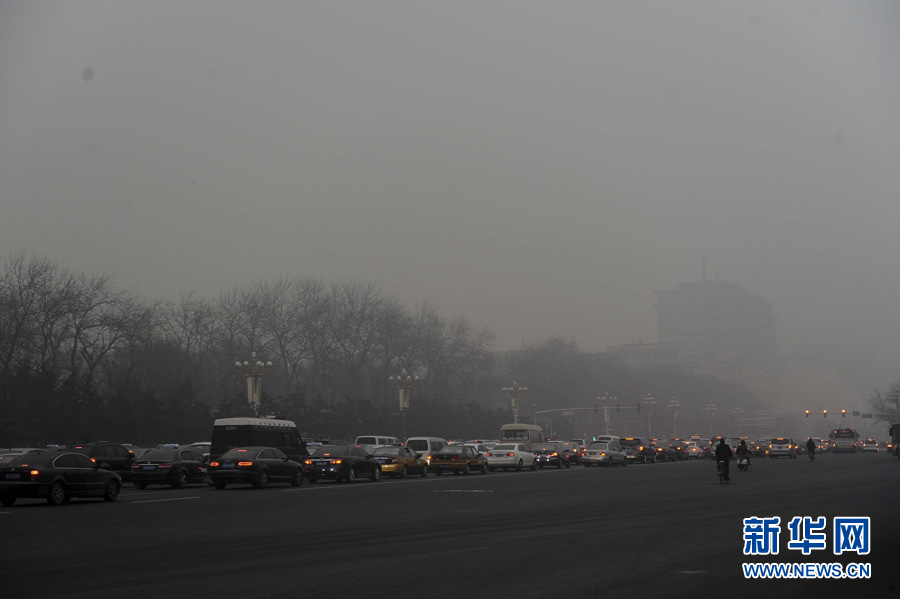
241 464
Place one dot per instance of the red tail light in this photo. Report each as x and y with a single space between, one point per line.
165 466
35 475
509 455
242 464
214 464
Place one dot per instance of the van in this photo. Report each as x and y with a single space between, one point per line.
376 440
261 432
425 446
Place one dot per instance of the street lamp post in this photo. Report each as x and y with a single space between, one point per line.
254 370
606 401
649 401
404 382
674 404
513 393
711 408
737 412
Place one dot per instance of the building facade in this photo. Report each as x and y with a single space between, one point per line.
720 329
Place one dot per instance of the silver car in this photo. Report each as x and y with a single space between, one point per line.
604 453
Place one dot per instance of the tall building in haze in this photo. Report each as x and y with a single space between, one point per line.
721 329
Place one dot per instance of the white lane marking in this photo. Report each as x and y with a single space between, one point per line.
160 500
462 491
690 571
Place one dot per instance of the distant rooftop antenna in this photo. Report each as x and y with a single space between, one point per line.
702 266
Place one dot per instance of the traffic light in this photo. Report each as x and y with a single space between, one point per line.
824 413
807 413
843 413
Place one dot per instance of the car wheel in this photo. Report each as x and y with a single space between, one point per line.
298 478
533 466
57 494
262 481
424 472
182 481
7 500
519 466
352 476
376 474
219 485
643 459
465 469
140 486
111 493
403 472
484 469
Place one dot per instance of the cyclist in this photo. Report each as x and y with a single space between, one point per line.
724 454
743 451
811 449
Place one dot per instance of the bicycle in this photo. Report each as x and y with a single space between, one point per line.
720 470
812 456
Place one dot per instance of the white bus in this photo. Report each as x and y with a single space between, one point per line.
527 434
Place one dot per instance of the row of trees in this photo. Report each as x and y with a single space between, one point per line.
81 360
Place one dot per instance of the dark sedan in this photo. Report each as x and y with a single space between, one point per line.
343 463
257 466
551 454
174 467
664 450
56 477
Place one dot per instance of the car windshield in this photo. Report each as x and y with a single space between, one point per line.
595 445
235 453
504 447
630 442
546 448
451 450
160 454
780 442
386 451
330 450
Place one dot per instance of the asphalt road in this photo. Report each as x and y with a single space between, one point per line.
656 530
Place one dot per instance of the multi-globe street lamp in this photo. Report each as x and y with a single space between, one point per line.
738 412
606 402
513 393
404 382
254 370
712 408
649 401
674 404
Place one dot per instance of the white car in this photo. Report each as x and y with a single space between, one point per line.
870 445
510 455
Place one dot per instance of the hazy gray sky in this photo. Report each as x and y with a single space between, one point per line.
537 167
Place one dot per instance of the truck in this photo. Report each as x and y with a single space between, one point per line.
895 438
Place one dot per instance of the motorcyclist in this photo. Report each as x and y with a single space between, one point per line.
743 451
811 448
724 454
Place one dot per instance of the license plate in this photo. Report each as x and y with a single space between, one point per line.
227 466
13 476
321 463
382 461
148 467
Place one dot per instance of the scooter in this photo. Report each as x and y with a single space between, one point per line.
743 463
